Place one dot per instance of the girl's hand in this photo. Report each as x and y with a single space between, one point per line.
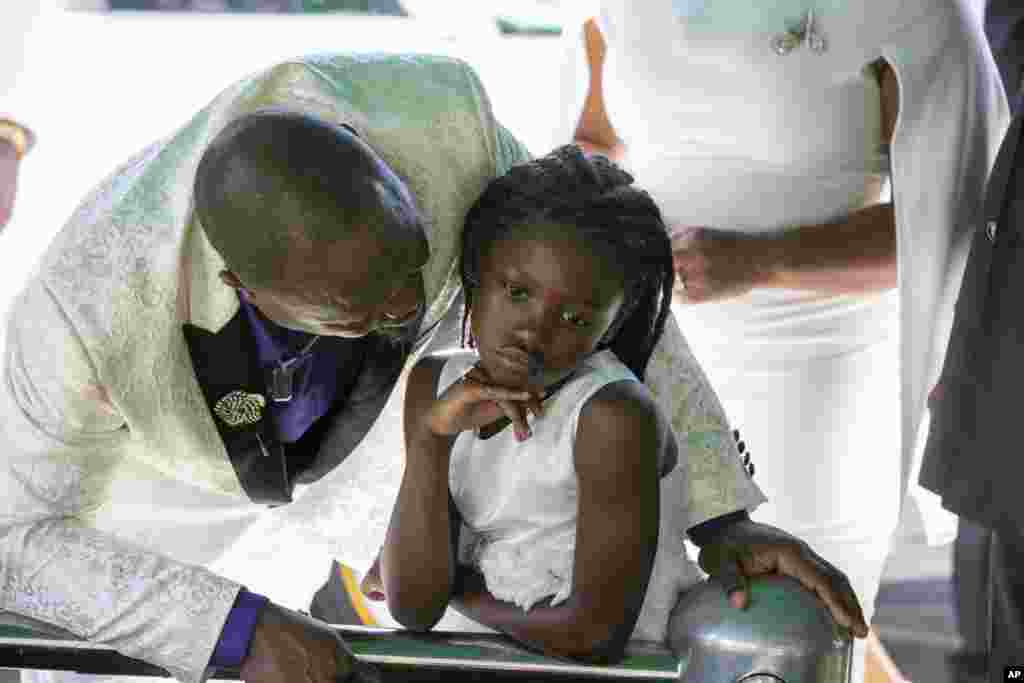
475 401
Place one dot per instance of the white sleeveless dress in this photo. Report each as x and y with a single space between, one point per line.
726 134
518 504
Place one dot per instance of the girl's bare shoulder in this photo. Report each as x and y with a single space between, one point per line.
621 419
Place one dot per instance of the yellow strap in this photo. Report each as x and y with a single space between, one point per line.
355 596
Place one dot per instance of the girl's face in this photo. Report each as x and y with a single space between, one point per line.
542 291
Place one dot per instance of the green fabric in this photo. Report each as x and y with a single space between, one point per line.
18 632
386 7
526 26
509 151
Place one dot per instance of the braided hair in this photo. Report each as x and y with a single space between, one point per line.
596 200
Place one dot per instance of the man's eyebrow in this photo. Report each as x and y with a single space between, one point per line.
359 298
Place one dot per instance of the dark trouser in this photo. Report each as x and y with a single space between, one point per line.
988 572
1007 648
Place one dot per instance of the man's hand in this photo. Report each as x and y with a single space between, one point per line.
747 548
288 647
714 264
8 180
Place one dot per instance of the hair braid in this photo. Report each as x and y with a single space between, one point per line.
596 198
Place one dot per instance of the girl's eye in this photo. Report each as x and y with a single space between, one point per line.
516 293
574 320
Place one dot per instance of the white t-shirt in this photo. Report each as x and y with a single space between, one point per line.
724 133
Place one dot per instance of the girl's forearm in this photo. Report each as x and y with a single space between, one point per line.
561 631
416 561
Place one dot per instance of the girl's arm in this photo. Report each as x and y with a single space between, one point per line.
418 559
619 437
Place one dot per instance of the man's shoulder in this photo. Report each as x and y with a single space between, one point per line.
383 60
352 74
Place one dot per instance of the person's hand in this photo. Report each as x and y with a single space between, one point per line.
748 548
288 647
475 401
714 264
8 180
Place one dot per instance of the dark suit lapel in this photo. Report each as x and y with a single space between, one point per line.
357 408
225 363
999 179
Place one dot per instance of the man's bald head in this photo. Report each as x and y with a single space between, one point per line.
323 236
273 185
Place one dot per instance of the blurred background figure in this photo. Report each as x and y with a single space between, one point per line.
785 232
16 138
390 7
984 593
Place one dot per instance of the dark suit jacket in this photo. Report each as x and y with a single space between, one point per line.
973 458
1004 28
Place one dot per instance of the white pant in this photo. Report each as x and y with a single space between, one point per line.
824 439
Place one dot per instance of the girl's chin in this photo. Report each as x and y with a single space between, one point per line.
514 376
501 374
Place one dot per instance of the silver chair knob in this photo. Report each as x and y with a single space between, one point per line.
785 635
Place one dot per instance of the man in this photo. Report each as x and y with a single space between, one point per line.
184 358
966 461
975 548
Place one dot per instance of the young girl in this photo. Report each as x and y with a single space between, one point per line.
530 499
